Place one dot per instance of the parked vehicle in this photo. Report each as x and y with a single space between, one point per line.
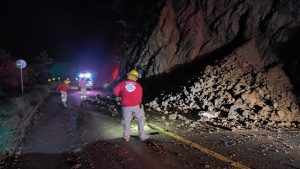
88 78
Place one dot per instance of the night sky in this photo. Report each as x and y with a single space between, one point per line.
77 32
80 33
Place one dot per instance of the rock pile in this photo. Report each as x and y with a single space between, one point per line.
235 92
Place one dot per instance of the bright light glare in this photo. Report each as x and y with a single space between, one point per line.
85 75
81 75
88 75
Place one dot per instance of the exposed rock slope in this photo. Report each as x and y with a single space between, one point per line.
236 91
249 87
190 29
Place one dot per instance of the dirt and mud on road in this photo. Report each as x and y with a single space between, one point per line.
83 137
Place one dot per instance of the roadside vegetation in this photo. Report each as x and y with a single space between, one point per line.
16 108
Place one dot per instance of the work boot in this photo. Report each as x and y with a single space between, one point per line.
144 138
126 139
65 104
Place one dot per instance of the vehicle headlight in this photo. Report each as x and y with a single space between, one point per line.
88 75
81 75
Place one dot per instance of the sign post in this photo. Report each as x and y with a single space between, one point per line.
21 64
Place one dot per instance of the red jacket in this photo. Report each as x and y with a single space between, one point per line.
63 87
130 91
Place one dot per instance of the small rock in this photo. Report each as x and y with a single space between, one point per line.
206 166
233 115
18 153
210 108
281 114
187 122
253 116
275 104
76 166
173 116
193 125
246 113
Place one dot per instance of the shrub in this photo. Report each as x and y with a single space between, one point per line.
44 90
35 97
12 112
4 109
2 93
20 106
8 134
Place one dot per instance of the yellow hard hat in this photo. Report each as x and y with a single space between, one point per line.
66 81
134 73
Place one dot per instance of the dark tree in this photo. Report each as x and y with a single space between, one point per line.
39 69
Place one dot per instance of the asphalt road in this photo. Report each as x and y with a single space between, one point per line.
84 137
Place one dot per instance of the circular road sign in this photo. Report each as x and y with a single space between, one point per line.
21 64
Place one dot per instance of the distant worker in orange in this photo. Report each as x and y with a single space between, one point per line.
63 89
131 94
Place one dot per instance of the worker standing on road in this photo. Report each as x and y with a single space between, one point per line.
82 84
131 94
63 88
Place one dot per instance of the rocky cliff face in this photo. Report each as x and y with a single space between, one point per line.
187 30
188 36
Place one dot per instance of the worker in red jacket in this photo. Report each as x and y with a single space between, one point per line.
131 94
63 89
